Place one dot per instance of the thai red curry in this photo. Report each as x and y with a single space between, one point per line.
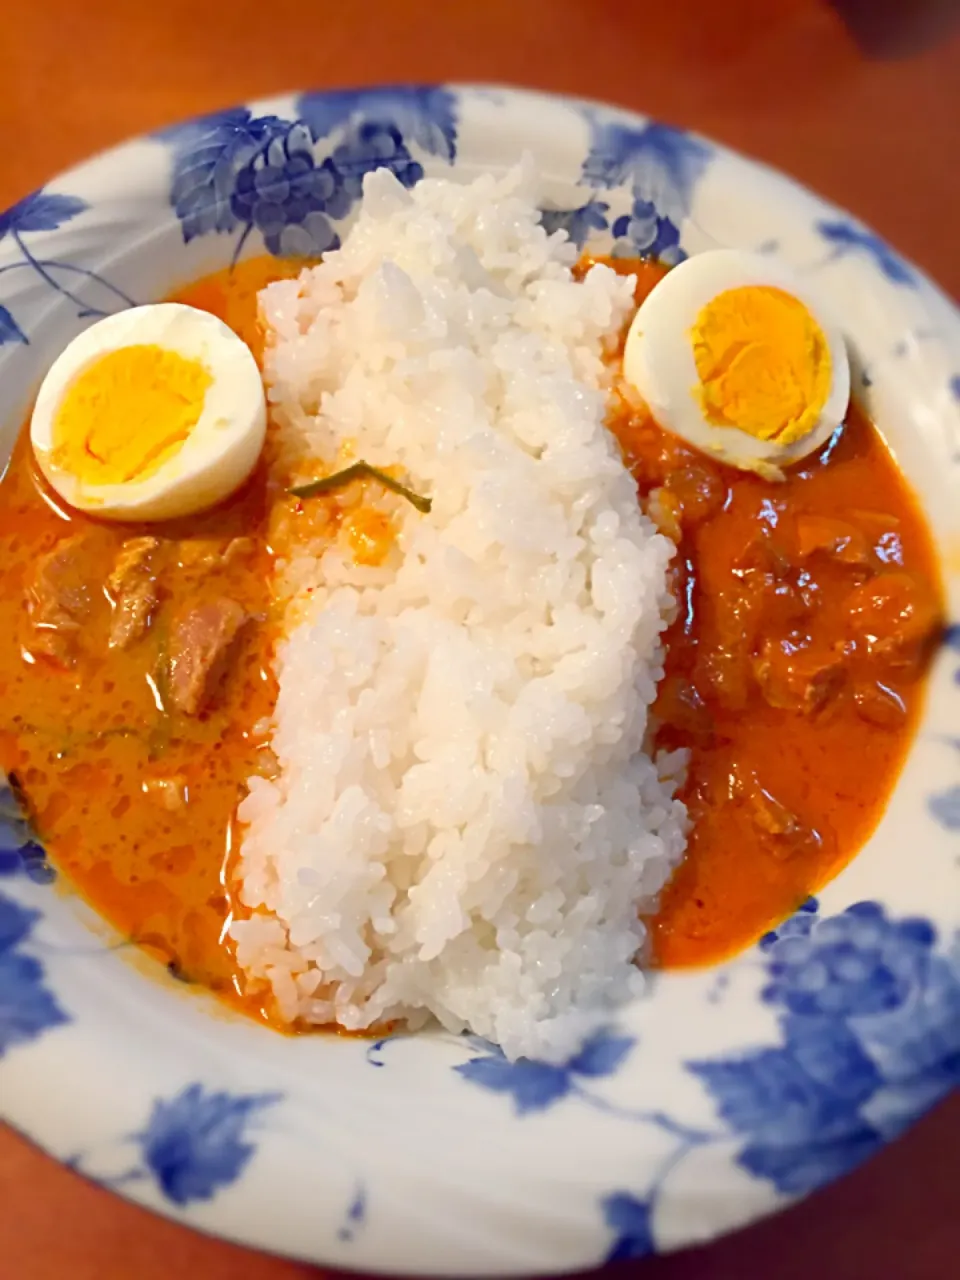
135 677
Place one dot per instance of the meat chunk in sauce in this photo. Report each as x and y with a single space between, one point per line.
724 671
133 591
169 793
60 599
779 829
893 618
237 549
680 706
794 675
826 535
202 641
214 553
880 704
698 493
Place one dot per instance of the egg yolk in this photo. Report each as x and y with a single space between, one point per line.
128 413
763 363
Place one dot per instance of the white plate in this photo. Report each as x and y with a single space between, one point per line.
723 1095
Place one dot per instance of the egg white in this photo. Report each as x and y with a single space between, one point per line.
659 361
221 450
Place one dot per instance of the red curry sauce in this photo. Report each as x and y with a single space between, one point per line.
89 748
794 678
794 672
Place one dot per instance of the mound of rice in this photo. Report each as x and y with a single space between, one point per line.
465 823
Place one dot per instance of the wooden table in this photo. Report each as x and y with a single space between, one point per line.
781 79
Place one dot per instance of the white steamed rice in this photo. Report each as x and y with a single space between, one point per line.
465 823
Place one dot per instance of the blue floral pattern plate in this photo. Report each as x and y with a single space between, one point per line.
723 1095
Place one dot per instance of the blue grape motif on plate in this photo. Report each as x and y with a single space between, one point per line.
644 233
236 171
9 329
368 146
197 1142
27 1007
846 237
661 165
423 115
39 211
869 1013
641 233
294 202
870 1019
194 1144
355 1217
579 223
534 1086
288 198
944 806
20 852
44 211
208 153
630 1219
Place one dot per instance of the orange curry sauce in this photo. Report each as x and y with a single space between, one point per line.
794 673
794 677
86 745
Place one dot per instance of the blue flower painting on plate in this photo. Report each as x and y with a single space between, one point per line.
198 1142
535 1086
45 211
845 237
234 171
27 1006
870 1015
869 1012
758 1081
193 1146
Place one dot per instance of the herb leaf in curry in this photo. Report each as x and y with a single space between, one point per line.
360 471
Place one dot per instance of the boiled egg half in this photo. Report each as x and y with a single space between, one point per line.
731 352
149 414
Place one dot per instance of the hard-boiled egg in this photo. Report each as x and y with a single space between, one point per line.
152 413
734 354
